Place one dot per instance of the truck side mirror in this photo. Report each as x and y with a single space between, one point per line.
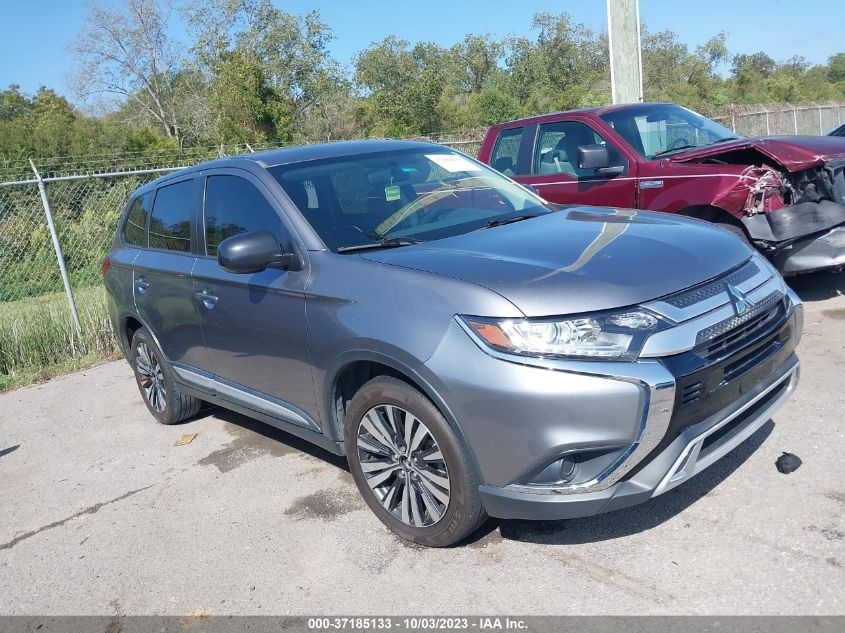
596 157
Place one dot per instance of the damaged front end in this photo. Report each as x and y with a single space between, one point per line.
798 218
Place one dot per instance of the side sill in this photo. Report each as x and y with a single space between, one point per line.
273 411
313 437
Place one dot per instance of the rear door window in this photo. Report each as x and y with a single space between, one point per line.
234 205
506 151
135 229
170 223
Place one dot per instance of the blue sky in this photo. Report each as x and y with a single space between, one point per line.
34 34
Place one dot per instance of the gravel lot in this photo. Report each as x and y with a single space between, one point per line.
101 514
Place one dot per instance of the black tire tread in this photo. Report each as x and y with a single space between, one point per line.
180 406
475 515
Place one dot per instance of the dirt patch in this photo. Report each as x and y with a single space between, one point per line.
830 533
246 446
326 505
838 497
838 314
494 537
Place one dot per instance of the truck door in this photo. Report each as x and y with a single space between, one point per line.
556 173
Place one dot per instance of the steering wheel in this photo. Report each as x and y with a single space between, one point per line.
678 142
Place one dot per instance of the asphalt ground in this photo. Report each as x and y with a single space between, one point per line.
100 513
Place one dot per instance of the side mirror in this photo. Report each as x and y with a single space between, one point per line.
596 157
252 253
593 157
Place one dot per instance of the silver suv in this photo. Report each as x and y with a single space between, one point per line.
472 349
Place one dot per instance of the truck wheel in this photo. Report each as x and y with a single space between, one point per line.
410 466
155 382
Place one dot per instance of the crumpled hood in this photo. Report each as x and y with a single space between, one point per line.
580 259
794 153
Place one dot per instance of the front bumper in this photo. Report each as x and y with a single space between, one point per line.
802 238
817 252
693 450
698 389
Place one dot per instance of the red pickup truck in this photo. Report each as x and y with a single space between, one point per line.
785 195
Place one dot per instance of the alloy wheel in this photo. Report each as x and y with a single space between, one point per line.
151 377
403 465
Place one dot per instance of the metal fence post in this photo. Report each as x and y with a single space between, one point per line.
58 248
795 120
768 129
821 130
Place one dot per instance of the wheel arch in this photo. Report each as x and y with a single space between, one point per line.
709 213
352 369
714 214
129 324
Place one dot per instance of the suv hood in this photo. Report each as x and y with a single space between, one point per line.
794 153
579 259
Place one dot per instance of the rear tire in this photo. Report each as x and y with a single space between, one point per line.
409 465
156 382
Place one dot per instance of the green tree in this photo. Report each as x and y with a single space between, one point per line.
125 52
403 87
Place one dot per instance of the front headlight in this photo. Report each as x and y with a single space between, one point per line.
606 336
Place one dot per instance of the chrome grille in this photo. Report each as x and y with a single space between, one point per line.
725 333
713 288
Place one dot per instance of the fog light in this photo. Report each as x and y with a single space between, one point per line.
567 468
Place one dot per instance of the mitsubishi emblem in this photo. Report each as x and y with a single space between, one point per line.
740 301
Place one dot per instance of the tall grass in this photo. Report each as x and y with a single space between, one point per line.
38 340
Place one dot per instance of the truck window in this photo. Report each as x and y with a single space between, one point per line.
556 151
506 151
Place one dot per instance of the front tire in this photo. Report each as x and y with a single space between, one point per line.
156 382
410 466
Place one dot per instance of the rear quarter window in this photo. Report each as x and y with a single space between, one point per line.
135 229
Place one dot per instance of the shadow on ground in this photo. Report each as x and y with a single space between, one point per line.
628 521
603 527
259 433
818 286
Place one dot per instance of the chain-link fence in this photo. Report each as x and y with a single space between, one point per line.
813 118
52 302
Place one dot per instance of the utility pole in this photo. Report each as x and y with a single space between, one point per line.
626 61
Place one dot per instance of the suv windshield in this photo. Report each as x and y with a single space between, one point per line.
402 197
655 130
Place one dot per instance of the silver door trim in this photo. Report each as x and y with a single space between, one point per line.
245 396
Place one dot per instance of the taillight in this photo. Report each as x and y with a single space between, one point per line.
105 266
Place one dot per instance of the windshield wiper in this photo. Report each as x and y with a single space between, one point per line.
675 149
390 242
508 220
726 139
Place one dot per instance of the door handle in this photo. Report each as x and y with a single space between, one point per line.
142 284
208 298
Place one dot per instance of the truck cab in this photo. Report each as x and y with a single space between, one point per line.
783 195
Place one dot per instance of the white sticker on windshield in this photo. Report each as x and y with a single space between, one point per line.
453 162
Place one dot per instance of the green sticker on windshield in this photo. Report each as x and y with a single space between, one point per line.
392 193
